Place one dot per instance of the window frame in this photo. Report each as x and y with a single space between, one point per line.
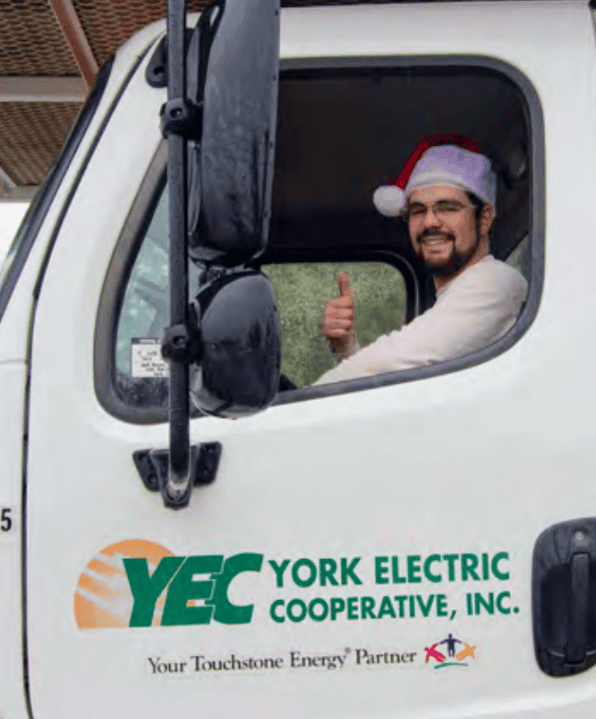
113 291
140 215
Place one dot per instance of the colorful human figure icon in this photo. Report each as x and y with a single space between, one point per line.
465 653
434 653
451 641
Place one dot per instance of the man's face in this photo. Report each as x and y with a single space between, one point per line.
445 237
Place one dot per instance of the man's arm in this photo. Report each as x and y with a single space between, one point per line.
475 310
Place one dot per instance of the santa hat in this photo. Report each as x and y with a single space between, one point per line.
446 160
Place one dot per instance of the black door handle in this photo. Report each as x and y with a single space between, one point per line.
564 597
578 616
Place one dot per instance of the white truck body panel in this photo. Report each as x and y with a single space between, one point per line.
476 461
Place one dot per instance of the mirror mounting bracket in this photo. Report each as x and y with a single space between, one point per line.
183 117
182 343
152 465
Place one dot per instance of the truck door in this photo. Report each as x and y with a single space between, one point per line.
364 548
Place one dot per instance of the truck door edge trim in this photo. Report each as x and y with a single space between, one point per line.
36 293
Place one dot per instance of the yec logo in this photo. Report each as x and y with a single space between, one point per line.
136 583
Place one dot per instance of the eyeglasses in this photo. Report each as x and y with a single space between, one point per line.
443 209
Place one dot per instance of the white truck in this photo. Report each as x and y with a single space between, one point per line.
415 544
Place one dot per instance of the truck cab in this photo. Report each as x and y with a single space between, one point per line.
412 544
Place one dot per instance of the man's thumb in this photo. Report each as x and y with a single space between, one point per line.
343 282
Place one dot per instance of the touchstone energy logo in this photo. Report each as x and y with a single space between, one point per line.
123 586
452 652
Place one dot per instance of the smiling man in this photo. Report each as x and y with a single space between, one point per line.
447 195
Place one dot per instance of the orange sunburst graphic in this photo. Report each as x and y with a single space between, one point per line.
103 597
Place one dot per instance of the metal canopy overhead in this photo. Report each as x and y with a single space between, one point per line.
50 53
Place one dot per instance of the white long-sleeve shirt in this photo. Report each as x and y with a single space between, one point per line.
472 311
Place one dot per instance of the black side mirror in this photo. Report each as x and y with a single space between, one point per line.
231 174
221 141
229 208
240 360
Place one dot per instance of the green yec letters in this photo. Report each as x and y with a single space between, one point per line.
225 611
183 588
146 589
178 577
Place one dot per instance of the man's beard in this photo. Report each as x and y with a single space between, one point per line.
454 262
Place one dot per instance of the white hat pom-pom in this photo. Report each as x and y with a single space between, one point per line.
389 200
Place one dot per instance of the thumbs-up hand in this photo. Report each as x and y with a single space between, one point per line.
337 318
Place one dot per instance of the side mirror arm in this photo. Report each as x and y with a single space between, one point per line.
177 116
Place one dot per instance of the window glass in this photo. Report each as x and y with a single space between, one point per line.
301 291
520 258
140 371
146 302
343 131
